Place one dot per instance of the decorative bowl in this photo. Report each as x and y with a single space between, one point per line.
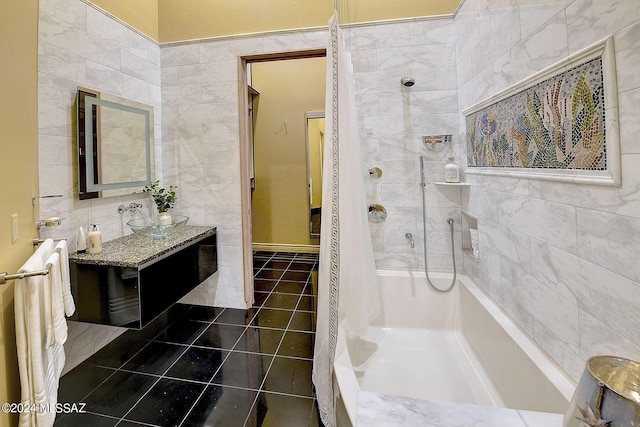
157 231
608 394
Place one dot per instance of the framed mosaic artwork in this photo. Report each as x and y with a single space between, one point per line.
559 124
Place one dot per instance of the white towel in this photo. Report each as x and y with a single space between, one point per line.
69 305
39 364
23 328
56 323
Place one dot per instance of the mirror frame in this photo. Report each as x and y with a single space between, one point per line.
88 188
310 115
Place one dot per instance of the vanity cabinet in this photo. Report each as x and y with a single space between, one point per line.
135 278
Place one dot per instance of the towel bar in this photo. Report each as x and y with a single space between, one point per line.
37 241
4 276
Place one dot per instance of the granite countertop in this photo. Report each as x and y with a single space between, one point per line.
380 410
134 250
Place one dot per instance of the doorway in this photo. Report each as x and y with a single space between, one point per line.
276 93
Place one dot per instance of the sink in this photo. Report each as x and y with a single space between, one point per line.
143 227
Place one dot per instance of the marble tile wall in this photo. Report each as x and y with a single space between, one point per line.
392 119
80 46
201 151
560 258
573 287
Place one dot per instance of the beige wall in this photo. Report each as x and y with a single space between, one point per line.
288 89
180 20
353 11
175 20
19 169
140 14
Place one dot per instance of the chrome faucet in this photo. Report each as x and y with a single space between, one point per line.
133 209
409 237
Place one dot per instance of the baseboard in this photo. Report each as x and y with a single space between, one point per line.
273 247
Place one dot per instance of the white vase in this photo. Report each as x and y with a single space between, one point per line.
164 218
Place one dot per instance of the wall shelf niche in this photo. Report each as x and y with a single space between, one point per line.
469 222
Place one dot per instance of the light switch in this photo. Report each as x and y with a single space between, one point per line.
14 227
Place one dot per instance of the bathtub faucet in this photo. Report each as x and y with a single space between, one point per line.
409 237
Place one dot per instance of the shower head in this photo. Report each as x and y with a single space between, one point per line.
408 81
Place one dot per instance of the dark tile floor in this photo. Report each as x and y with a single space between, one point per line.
208 366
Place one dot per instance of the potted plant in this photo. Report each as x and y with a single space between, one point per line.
164 200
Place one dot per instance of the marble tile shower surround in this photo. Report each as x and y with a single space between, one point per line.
392 120
560 258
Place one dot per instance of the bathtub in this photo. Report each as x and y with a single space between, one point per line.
457 347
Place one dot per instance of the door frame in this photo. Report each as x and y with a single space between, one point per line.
245 154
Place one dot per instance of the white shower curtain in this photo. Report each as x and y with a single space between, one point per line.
347 282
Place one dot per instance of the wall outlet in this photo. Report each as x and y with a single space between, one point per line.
14 228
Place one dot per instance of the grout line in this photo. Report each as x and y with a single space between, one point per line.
163 375
84 398
140 399
140 423
261 390
154 384
247 325
206 385
195 401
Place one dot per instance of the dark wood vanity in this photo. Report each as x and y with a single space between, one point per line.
135 278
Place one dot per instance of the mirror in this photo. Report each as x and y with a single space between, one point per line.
315 151
115 150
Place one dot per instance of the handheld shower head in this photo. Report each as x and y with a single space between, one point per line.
408 81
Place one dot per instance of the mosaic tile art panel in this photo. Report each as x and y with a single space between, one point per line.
558 123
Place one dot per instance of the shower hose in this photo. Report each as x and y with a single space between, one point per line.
423 184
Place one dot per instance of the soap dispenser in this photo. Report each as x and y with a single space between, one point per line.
451 170
95 240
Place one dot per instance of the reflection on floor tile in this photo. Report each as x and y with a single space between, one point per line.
290 376
220 336
284 301
245 370
210 366
155 358
221 406
198 364
235 316
290 287
303 321
183 331
86 419
153 408
119 393
81 381
272 318
260 340
297 344
277 410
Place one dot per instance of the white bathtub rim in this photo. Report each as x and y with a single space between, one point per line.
347 383
563 383
556 375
